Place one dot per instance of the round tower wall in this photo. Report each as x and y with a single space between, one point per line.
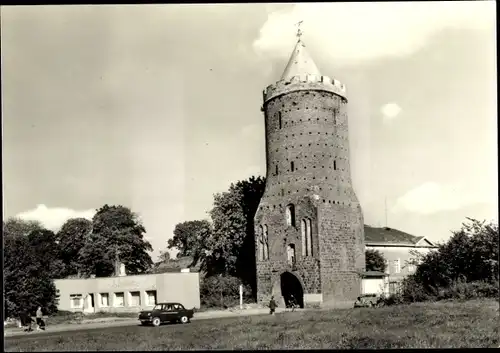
312 136
307 154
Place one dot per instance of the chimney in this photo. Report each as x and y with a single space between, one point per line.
122 270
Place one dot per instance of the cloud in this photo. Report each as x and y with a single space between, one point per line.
431 197
350 32
54 218
390 111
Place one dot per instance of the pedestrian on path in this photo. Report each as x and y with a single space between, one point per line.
26 320
39 319
293 303
272 305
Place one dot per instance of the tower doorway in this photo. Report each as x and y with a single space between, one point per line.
291 287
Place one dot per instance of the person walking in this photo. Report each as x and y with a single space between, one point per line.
26 320
39 319
272 305
293 303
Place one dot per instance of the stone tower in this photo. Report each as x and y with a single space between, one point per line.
309 224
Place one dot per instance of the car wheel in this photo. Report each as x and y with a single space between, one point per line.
156 321
184 320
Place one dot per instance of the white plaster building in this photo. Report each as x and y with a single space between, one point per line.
124 293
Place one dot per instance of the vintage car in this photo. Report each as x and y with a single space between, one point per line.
166 312
368 301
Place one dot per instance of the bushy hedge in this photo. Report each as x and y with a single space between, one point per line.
222 292
413 292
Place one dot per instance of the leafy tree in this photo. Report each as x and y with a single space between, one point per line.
47 252
227 245
231 248
71 238
117 233
190 237
470 255
19 227
375 261
164 257
30 264
229 224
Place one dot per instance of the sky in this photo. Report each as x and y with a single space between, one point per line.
157 107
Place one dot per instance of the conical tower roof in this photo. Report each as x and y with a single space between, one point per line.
300 63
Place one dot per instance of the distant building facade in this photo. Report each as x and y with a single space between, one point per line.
128 293
397 248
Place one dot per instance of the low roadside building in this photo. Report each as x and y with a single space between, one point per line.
374 282
128 293
399 249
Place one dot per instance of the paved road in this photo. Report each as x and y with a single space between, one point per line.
54 329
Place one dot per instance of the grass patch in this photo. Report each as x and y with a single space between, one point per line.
421 325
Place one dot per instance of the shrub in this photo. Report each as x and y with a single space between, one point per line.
222 291
393 299
462 290
471 255
375 261
459 290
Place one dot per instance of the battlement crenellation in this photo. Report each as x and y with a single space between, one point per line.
306 82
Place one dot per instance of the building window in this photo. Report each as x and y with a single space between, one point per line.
334 165
291 254
119 299
279 119
303 226
396 266
292 166
290 215
411 268
104 299
76 301
276 172
151 297
260 244
266 243
309 237
135 299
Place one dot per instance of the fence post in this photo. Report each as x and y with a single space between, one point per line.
241 297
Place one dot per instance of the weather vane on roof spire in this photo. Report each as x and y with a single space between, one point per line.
299 32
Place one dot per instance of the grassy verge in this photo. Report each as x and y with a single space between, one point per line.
422 325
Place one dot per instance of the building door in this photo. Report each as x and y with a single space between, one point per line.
89 306
291 288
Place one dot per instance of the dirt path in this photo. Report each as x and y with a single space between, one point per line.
119 322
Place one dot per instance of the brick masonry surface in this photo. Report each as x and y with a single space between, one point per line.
307 153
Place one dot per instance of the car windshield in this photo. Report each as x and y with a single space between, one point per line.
157 307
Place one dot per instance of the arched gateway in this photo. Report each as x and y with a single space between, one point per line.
291 286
